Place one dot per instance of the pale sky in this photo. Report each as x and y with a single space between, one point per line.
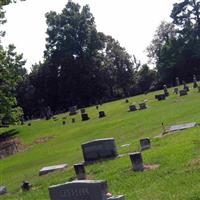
131 22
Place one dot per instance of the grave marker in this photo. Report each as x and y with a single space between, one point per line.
99 149
142 106
132 108
137 161
80 171
102 114
79 190
160 97
72 110
3 190
50 169
85 117
183 93
145 144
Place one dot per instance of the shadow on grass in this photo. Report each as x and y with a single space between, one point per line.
8 134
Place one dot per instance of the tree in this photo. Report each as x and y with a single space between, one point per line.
11 73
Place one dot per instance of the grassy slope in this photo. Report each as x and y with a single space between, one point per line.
177 178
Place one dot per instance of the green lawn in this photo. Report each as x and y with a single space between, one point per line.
178 154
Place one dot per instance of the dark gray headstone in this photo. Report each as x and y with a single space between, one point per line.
142 106
183 93
132 108
165 90
73 110
3 190
160 97
176 90
50 169
82 110
102 114
79 190
99 149
126 100
80 171
26 186
85 117
137 161
73 120
145 143
182 126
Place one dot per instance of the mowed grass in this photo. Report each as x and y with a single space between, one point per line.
178 154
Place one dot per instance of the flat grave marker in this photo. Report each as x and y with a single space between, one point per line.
182 126
50 169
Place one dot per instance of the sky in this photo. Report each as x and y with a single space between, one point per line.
131 22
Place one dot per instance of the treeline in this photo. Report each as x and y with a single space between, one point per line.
81 66
85 67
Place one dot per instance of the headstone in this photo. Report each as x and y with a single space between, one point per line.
82 110
160 97
132 108
120 197
137 161
183 93
195 84
165 90
29 124
73 120
142 106
145 143
26 186
102 114
126 101
97 107
84 117
50 169
80 171
79 190
72 110
3 190
198 88
177 81
185 87
176 90
64 122
182 126
99 149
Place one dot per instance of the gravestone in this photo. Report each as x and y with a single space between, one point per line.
182 126
99 149
198 88
82 110
160 97
64 122
73 120
132 108
142 106
145 144
29 124
183 93
176 90
80 171
185 87
165 90
120 197
26 186
102 114
50 169
195 84
137 161
177 81
126 101
79 190
72 110
3 190
97 107
84 117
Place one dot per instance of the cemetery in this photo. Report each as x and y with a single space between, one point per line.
90 149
